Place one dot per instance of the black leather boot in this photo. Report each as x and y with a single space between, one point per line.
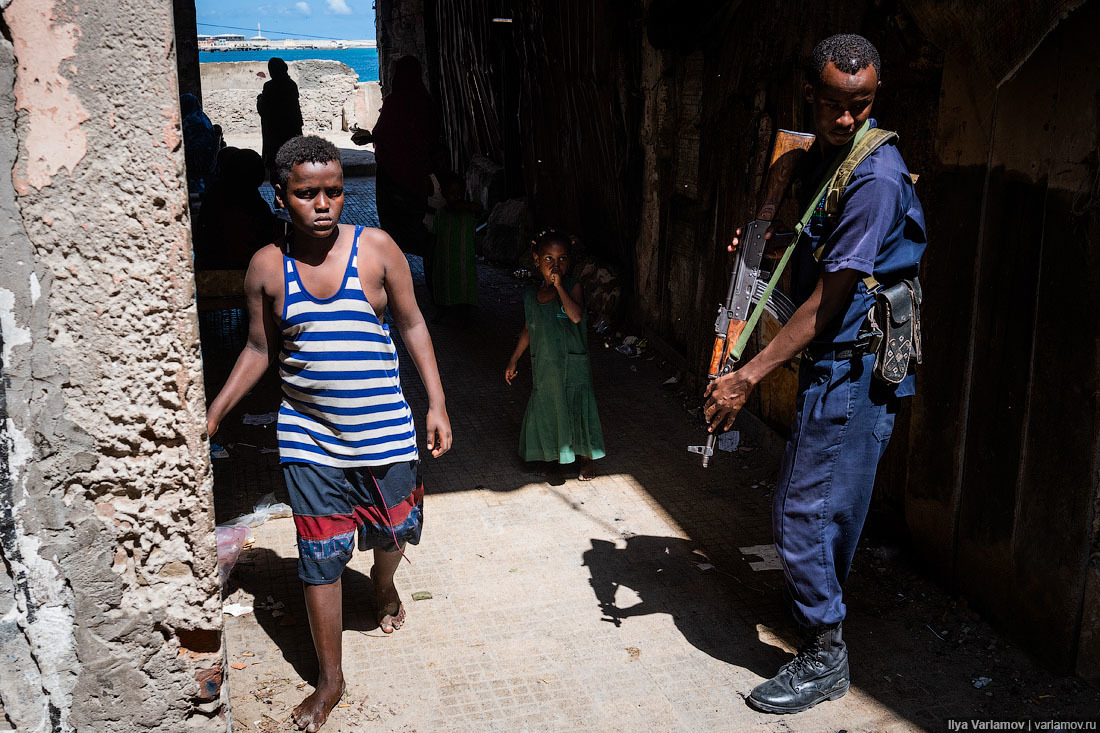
818 672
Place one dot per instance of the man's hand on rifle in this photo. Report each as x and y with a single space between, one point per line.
772 249
726 395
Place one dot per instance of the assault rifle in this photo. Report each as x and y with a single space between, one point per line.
749 283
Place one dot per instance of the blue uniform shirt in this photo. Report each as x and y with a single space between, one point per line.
880 231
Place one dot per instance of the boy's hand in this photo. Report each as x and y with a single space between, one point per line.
510 372
439 432
211 427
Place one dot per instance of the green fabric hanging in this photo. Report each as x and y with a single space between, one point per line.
454 263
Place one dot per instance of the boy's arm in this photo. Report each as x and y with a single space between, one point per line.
521 346
263 339
410 321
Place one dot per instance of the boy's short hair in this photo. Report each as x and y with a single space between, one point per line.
847 51
303 149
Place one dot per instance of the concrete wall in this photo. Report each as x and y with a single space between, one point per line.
110 611
330 93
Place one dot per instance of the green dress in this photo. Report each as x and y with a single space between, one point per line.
454 264
561 420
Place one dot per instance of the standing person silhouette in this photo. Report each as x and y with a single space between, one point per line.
406 129
280 113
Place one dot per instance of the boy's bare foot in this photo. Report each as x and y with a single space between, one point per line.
587 470
312 712
391 611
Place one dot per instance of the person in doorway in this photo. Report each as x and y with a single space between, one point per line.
845 415
347 443
280 112
406 129
454 262
234 220
200 143
561 423
441 166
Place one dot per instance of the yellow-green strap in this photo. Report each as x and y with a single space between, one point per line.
827 180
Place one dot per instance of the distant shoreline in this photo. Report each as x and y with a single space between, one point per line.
289 45
364 61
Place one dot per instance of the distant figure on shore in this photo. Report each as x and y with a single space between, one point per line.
200 143
234 220
280 113
406 128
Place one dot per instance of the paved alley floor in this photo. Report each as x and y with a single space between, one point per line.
648 599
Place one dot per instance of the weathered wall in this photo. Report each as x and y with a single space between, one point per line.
329 92
109 597
1003 486
400 29
187 47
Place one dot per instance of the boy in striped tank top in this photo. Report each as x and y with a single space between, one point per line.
346 438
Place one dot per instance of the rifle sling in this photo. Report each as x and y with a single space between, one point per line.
827 182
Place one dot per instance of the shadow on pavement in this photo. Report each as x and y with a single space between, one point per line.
262 573
664 573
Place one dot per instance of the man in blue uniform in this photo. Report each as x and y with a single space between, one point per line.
845 416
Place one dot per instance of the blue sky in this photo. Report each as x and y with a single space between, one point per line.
345 19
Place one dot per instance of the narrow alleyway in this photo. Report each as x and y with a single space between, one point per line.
648 599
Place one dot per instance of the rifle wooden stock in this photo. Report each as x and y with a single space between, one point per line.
788 151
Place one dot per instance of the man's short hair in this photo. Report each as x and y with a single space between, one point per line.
848 52
303 149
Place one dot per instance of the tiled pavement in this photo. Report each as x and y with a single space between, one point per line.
566 606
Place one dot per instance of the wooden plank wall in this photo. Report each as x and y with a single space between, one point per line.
653 155
1011 523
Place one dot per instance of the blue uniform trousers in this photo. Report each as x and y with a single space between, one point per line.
842 426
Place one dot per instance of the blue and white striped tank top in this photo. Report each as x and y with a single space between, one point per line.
342 400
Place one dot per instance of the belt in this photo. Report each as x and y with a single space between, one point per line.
835 352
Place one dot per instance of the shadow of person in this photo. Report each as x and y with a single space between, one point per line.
663 573
272 579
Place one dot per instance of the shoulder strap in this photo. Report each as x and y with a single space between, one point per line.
777 271
874 139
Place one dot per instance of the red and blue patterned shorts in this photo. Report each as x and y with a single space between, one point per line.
333 505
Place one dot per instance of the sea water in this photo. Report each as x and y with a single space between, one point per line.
364 61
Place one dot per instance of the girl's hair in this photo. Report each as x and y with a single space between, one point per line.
552 236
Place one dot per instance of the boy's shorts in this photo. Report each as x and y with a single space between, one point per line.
332 504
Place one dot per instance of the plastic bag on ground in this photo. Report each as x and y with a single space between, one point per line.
266 508
230 542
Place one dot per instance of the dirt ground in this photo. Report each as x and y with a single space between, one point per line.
649 599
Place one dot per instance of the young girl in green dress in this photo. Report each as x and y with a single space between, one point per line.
561 423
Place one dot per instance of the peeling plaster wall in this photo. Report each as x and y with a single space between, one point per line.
110 613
